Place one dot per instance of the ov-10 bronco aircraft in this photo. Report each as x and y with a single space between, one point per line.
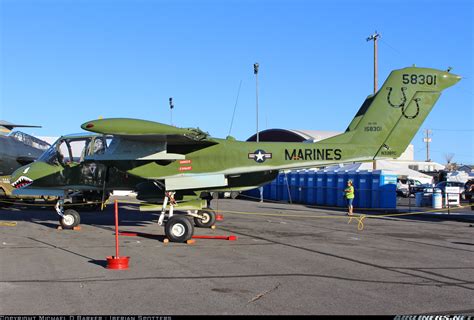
167 164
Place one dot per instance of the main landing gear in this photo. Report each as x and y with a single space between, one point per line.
180 228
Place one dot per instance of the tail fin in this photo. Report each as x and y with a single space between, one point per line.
387 121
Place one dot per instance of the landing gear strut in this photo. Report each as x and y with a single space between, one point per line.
69 218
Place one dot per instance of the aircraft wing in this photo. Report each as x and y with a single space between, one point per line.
136 139
148 131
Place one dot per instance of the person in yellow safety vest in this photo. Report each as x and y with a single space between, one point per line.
349 194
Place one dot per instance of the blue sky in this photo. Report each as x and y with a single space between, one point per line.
66 62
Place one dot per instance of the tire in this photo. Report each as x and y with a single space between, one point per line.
234 194
179 229
70 219
208 221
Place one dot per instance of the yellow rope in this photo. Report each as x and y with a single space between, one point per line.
359 218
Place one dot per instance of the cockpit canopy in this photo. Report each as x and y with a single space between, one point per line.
29 140
72 149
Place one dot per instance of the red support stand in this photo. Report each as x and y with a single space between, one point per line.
231 238
116 262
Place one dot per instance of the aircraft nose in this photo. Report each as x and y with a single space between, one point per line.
20 178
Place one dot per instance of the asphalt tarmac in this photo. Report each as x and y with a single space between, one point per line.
287 259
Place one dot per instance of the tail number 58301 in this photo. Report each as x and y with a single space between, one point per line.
419 79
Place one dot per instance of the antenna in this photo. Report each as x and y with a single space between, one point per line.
235 107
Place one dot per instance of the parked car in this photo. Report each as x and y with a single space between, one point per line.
468 185
407 187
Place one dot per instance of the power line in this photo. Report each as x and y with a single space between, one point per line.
455 130
391 47
235 106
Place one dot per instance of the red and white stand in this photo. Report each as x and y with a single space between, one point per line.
117 262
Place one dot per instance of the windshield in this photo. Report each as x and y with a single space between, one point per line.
67 151
29 140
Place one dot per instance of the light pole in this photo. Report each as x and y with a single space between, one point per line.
375 37
255 71
171 110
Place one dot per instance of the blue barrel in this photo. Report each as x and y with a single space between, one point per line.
341 177
303 175
311 187
320 188
388 191
376 189
331 189
365 189
354 177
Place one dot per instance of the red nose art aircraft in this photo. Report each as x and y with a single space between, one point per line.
181 163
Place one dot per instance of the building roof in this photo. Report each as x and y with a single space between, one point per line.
292 135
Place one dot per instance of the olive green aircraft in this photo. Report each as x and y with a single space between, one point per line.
176 166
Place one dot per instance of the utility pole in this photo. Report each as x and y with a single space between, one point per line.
171 110
255 71
427 140
374 37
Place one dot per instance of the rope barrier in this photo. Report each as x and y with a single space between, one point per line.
359 218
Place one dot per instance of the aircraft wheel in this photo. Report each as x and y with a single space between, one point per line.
70 219
179 229
208 220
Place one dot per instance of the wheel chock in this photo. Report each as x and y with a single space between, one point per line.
166 240
190 241
219 217
77 228
213 227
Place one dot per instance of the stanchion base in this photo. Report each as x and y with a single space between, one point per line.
117 263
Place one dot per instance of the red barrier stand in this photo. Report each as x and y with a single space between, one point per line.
117 262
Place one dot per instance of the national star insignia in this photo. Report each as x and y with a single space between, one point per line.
260 156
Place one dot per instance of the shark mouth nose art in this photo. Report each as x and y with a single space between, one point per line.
22 182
